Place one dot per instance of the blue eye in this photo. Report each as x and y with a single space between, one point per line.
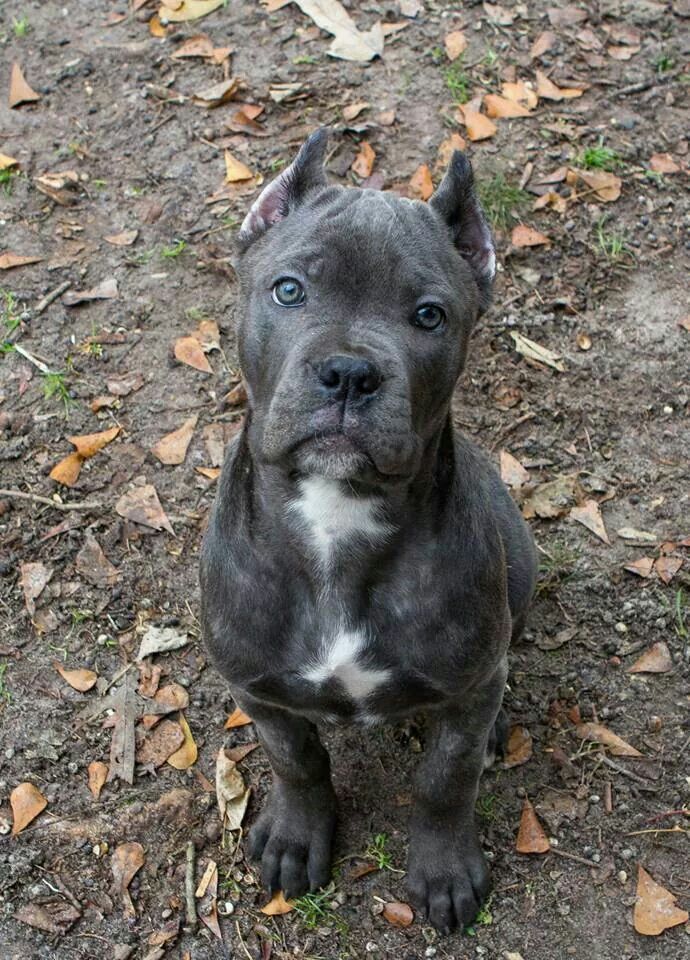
428 317
288 292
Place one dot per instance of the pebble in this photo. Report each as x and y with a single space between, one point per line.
620 627
371 947
430 952
654 723
627 853
622 876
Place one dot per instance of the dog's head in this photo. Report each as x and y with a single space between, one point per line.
356 310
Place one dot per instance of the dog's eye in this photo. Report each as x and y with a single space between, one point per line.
288 292
428 316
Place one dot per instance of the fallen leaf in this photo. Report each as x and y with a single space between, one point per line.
172 448
455 43
235 170
657 659
655 907
535 351
589 515
80 679
398 914
524 236
207 892
187 754
125 383
622 53
349 42
161 640
237 396
33 579
282 92
239 752
421 184
173 696
531 837
598 733
642 567
278 905
20 91
89 444
231 793
630 533
126 861
160 743
188 10
61 187
478 126
238 718
503 108
566 16
27 802
98 774
156 28
663 163
6 163
9 260
94 566
551 499
544 42
386 118
498 14
197 46
141 505
217 94
547 89
667 567
211 473
519 746
353 110
168 932
448 147
188 350
363 163
513 473
557 641
55 917
107 290
123 745
67 470
605 185
124 239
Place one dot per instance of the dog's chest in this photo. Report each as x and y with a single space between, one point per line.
347 656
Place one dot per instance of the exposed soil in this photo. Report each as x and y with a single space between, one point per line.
616 415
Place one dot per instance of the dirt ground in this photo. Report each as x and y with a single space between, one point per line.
609 294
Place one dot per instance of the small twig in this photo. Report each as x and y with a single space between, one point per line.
520 420
676 829
50 297
189 886
31 358
243 944
37 498
573 856
627 773
639 87
608 797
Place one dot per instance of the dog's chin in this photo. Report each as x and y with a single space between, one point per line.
335 457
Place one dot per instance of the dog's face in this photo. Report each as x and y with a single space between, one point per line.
356 310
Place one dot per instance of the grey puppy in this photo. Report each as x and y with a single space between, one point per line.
364 561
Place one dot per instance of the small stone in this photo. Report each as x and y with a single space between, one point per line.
371 947
654 723
668 409
430 952
620 627
595 798
627 853
166 914
622 877
226 908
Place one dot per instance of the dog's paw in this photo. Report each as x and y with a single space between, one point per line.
447 878
293 840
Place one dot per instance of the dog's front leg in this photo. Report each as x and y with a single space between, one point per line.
293 836
448 876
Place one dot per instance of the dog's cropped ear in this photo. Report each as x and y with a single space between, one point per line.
286 192
457 203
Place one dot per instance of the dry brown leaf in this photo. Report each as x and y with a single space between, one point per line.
535 351
188 10
239 752
141 505
551 499
186 756
520 92
478 126
598 733
231 793
217 94
663 163
26 801
160 743
655 907
188 350
172 448
566 16
6 163
448 147
667 567
605 185
94 566
235 170
353 110
197 46
421 185
98 774
237 396
531 837
589 515
20 91
126 861
519 746
55 916
67 470
513 473
124 239
363 163
89 444
10 260
551 199
544 42
349 42
499 14
455 43
503 108
107 290
207 893
174 696
161 640
398 914
80 679
238 718
125 383
547 89
211 473
642 567
622 53
33 579
278 905
61 187
524 236
657 659
156 28
386 118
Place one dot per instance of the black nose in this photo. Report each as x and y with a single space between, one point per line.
348 378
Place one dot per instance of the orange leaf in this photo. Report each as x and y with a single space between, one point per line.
20 91
363 163
455 44
421 184
524 236
643 566
88 444
399 914
9 260
520 92
513 473
542 44
26 801
197 46
278 905
448 147
156 28
531 837
503 108
655 907
211 473
7 162
98 774
172 448
238 718
589 515
667 567
66 471
188 350
127 859
548 90
606 186
663 163
519 746
598 733
81 679
235 170
657 659
186 756
478 126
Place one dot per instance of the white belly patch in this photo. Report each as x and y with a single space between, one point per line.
339 658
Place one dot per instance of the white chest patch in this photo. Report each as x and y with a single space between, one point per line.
331 516
340 658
